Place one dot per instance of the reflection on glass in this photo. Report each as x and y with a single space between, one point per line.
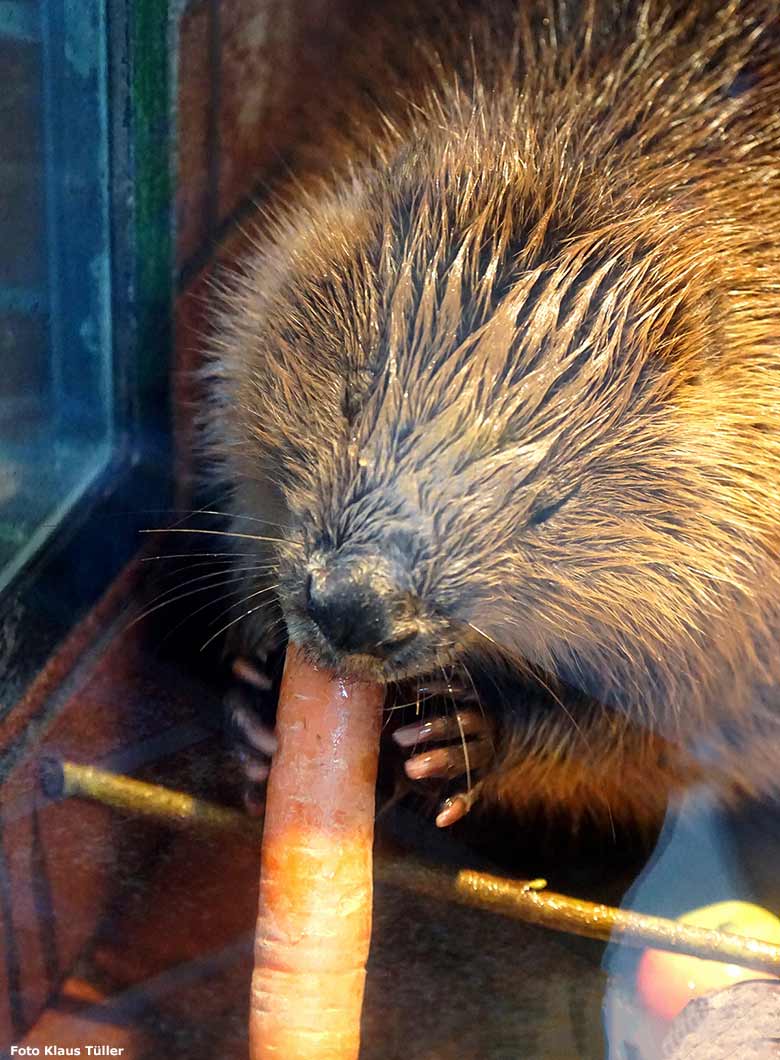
55 350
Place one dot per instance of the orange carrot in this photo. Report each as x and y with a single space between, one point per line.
314 921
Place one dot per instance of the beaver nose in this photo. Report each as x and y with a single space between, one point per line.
355 613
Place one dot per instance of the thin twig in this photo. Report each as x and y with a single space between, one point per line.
517 899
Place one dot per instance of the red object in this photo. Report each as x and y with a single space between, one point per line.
666 982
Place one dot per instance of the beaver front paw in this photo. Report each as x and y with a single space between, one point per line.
249 703
467 739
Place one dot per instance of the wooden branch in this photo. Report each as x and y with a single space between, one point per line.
523 900
520 900
62 779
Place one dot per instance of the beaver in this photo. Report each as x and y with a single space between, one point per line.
497 396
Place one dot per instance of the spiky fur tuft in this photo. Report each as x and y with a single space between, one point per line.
523 327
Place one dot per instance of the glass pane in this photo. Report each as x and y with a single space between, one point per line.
55 349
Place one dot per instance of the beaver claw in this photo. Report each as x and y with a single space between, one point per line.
470 750
255 743
457 806
454 760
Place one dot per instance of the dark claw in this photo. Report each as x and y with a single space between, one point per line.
254 800
449 762
249 673
457 806
453 689
254 742
252 732
445 727
255 769
444 762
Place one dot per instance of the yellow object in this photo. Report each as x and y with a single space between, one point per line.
63 779
666 982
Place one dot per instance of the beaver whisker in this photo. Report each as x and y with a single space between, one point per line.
217 533
210 576
195 555
251 611
192 592
186 513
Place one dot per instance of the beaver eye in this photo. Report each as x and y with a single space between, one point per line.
350 404
541 515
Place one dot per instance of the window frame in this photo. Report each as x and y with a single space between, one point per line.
100 534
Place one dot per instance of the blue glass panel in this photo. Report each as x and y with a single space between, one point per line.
56 388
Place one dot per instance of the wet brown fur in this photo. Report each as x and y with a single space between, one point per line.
519 322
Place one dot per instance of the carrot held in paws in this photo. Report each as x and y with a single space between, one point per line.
314 921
